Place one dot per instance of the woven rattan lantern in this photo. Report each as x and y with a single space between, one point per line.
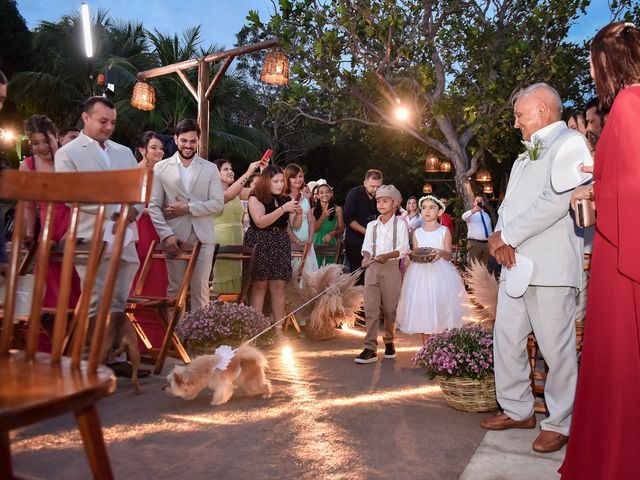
483 175
427 188
488 188
432 164
445 166
144 96
275 69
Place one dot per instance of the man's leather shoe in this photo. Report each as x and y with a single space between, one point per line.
549 441
504 422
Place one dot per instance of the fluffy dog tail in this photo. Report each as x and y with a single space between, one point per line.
247 352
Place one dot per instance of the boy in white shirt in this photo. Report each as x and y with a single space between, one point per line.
385 243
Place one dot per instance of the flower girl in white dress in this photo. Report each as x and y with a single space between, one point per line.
433 297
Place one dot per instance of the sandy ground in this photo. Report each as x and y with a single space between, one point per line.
328 418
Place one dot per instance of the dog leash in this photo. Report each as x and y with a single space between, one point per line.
297 309
226 353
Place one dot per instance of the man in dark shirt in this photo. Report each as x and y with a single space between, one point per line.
359 210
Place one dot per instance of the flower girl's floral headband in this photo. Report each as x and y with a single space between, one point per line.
435 200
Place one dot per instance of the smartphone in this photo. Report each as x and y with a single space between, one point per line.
265 158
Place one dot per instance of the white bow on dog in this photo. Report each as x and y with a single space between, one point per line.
226 354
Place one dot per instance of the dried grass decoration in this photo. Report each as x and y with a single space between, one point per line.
483 291
338 306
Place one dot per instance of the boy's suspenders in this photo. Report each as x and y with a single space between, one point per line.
395 235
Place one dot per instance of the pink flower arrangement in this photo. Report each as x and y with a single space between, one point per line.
220 322
458 352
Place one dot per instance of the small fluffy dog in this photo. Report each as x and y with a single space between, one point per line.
246 370
122 337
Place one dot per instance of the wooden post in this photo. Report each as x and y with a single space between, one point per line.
203 108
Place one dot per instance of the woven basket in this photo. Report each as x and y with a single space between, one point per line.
469 395
423 255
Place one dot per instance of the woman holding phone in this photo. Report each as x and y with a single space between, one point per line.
227 274
270 214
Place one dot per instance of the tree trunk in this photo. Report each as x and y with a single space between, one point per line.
463 187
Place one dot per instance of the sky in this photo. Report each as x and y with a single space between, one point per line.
220 19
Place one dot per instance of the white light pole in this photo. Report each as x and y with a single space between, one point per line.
86 29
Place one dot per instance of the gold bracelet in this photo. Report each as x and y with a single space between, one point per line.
590 192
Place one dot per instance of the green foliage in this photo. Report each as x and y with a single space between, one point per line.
121 51
454 63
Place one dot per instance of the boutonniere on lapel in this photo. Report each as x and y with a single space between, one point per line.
534 148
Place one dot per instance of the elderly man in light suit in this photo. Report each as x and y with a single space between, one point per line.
93 151
534 220
186 195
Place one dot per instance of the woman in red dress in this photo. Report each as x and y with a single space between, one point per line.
149 151
604 441
42 136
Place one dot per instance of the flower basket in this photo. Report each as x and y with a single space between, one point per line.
462 361
222 323
468 394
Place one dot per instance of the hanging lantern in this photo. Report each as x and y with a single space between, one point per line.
100 80
275 69
483 175
445 166
432 164
144 96
488 188
427 188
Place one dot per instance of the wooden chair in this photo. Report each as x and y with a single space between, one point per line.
246 255
37 386
329 251
297 251
168 309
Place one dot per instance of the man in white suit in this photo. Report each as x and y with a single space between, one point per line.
93 151
186 195
534 220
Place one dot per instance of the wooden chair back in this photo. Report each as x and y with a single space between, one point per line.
246 255
97 189
329 251
37 387
167 309
189 254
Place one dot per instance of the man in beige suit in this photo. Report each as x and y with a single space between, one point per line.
186 195
534 221
93 151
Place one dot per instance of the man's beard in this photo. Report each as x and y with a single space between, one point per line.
593 139
181 152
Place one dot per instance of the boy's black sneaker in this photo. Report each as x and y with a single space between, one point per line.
367 356
389 350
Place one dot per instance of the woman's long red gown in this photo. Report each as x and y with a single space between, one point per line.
604 442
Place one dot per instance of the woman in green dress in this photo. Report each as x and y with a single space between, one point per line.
329 223
227 274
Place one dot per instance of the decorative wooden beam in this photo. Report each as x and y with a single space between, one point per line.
205 90
203 108
234 52
218 78
187 84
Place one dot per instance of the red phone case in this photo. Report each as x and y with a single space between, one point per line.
267 155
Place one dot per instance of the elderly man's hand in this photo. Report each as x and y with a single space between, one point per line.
506 256
495 242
